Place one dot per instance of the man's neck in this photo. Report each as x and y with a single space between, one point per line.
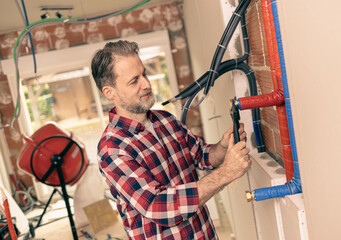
139 117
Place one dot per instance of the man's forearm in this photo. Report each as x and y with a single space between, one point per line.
234 165
211 184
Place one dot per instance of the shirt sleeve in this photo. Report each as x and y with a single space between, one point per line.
199 149
163 205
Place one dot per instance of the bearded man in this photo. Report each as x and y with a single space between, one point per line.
149 158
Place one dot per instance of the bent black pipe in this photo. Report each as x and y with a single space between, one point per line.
224 68
217 69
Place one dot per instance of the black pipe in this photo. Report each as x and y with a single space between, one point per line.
224 41
224 68
202 81
217 69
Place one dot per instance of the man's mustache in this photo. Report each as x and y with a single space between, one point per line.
148 91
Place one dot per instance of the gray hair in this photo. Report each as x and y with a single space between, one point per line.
102 64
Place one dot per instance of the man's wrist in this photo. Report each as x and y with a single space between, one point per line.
217 154
225 178
222 147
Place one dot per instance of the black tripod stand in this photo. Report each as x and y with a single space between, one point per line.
57 161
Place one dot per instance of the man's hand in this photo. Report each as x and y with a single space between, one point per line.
235 164
218 150
237 159
224 142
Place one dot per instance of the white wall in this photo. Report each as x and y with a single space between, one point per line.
311 38
204 27
205 24
203 33
266 220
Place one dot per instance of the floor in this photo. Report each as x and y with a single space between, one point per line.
56 226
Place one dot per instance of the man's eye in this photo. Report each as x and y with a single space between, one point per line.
133 81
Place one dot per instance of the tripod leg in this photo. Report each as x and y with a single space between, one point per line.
46 206
61 194
66 199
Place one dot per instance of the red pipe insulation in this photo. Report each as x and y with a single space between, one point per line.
265 100
275 98
271 53
8 216
270 34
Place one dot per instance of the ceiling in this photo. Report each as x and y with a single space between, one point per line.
12 20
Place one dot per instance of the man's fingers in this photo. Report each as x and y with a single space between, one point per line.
240 145
244 153
241 128
242 135
231 142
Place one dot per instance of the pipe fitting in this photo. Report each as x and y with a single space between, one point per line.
250 196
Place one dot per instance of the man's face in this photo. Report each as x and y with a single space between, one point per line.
133 91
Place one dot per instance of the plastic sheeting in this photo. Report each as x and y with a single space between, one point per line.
90 189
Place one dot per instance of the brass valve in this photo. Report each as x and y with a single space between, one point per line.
250 196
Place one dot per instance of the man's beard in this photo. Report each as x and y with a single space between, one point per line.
140 107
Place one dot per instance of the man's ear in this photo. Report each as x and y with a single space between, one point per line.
109 92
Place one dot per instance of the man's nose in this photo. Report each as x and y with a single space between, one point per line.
145 83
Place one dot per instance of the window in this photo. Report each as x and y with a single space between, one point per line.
69 99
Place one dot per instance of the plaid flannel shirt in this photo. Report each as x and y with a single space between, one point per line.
154 180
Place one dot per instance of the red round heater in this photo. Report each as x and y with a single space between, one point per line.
47 143
53 157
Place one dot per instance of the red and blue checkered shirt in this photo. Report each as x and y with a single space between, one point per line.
154 180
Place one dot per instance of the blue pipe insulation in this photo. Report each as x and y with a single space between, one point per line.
290 188
297 174
285 88
294 186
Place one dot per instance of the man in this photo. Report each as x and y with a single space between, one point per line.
148 158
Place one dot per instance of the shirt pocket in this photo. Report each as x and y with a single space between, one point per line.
157 165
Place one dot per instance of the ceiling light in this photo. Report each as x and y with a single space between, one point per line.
45 15
59 15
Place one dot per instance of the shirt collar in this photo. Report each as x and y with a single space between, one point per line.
127 124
